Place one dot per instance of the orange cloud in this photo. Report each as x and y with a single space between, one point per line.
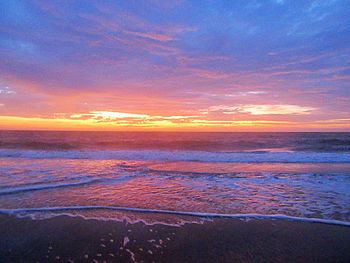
110 120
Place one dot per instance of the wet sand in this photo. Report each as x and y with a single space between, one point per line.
74 239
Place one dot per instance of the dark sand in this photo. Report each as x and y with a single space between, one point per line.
68 239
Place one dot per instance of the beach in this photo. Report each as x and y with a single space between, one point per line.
74 239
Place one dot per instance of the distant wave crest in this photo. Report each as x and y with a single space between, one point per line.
195 156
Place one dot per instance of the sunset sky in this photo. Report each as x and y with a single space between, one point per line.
278 65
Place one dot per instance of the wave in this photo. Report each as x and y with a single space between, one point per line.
38 187
195 156
16 190
177 213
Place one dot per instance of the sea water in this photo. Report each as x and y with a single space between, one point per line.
294 176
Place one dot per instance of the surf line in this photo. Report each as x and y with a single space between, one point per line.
178 213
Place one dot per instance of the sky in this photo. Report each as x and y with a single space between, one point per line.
273 65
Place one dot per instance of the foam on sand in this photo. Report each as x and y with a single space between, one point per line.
180 213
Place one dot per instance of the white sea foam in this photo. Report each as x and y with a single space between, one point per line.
16 211
195 156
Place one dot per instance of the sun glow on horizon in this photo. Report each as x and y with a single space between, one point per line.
115 120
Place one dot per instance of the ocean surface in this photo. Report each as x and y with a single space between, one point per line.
176 177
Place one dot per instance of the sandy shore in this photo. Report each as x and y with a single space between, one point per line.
68 239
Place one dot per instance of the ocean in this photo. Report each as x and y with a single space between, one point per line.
174 178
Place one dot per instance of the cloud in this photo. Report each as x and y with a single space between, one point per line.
275 109
117 115
262 109
132 118
7 90
246 93
153 36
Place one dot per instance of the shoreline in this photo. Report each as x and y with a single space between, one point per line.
74 239
199 215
